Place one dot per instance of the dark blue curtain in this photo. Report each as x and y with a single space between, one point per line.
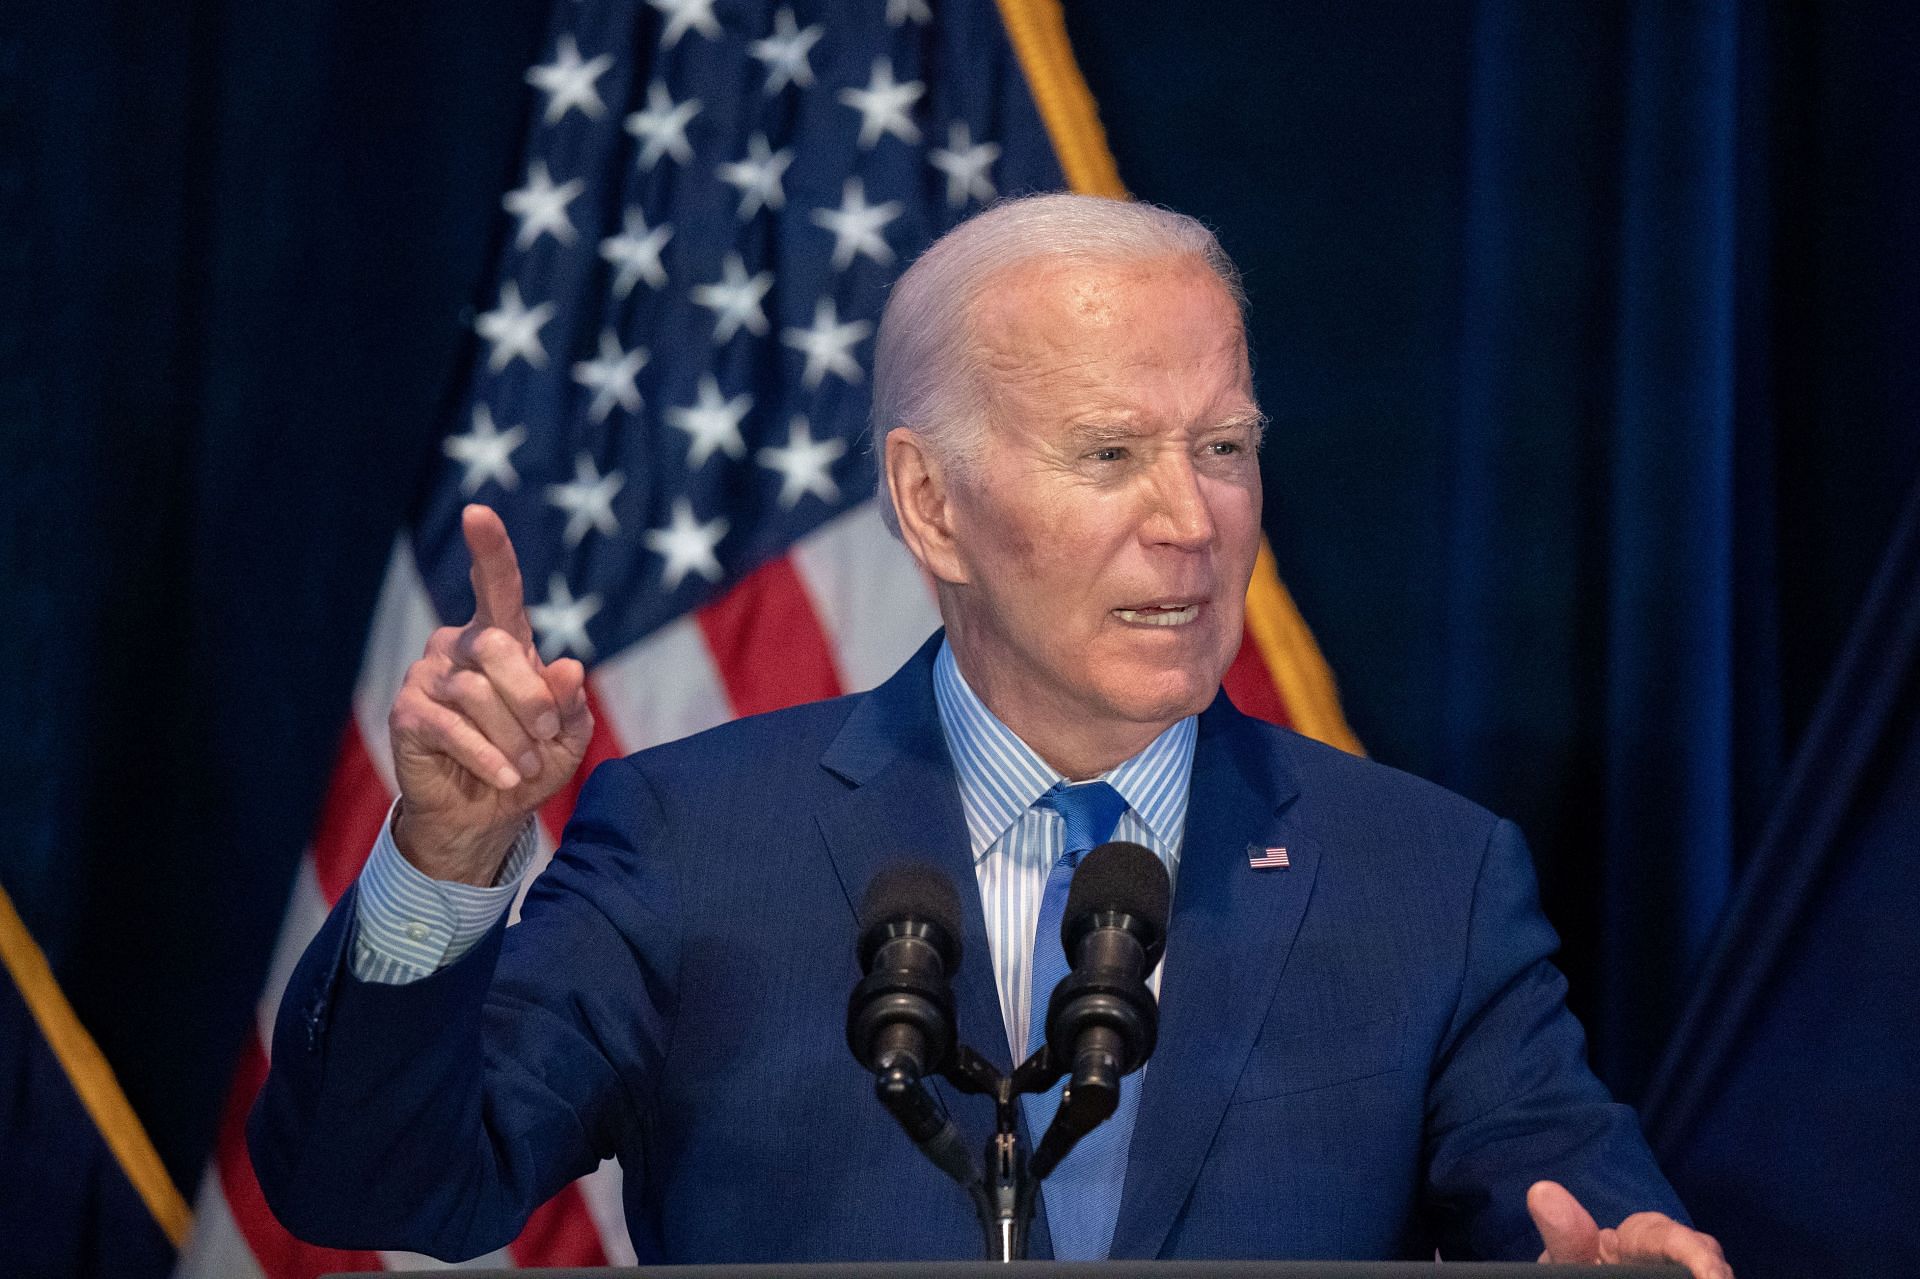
1793 1066
1580 326
1585 329
239 241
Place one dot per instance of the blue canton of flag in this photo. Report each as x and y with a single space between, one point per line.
670 382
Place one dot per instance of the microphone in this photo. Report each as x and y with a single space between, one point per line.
1102 1021
900 1021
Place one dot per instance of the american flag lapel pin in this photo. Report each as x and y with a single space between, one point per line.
1272 858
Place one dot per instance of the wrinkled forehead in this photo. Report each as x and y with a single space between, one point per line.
1055 322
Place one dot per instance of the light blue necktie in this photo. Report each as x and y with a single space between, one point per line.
1083 1192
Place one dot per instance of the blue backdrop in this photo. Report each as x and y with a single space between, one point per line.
1586 331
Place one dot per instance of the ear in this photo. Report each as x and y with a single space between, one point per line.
923 501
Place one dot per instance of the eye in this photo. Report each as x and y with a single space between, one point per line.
1111 453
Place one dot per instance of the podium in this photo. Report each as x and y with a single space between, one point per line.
1089 1270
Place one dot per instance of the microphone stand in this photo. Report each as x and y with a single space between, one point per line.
1003 1195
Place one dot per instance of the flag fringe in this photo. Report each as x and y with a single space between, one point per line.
1038 32
1293 659
92 1078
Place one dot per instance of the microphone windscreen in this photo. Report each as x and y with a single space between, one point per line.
1120 877
912 890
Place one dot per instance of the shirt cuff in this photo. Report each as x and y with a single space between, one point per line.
409 925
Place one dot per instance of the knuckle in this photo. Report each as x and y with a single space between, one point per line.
462 686
492 644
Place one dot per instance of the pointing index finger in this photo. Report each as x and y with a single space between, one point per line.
498 596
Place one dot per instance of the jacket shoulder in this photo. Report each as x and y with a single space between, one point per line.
1366 801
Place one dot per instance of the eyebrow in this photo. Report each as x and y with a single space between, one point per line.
1105 430
1119 429
1250 420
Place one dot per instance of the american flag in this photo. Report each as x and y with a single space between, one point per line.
1267 858
666 404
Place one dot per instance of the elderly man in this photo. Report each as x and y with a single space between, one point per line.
1363 1053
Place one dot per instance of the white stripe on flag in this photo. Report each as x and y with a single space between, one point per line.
663 688
869 595
216 1249
403 620
601 1190
306 911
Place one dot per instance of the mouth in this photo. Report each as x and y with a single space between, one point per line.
1159 614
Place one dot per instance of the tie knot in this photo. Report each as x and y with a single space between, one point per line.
1090 810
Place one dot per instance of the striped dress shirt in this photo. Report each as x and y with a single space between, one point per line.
1015 844
409 926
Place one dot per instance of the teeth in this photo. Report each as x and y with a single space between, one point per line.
1159 616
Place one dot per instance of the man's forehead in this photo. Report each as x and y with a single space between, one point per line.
1058 300
1089 287
1060 325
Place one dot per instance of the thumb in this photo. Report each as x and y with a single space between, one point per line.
1567 1229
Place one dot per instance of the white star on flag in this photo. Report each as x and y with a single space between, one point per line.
513 331
542 207
805 464
712 422
900 11
610 376
636 251
561 622
687 545
682 14
663 127
828 344
965 165
569 82
785 52
588 499
734 299
856 226
486 452
883 106
758 176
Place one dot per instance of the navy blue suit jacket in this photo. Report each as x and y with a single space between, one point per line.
1365 1054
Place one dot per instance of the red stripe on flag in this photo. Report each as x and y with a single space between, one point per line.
356 805
1252 687
601 747
768 643
279 1254
561 1232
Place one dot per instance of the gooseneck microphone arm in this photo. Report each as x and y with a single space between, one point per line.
1101 1024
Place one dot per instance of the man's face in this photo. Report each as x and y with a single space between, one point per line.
1106 540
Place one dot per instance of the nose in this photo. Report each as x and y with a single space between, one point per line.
1180 516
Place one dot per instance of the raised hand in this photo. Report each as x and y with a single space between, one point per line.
483 731
1572 1237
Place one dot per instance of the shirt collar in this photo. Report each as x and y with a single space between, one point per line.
1000 776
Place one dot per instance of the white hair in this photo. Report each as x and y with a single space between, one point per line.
924 374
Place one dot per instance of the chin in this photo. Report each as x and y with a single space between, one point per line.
1162 696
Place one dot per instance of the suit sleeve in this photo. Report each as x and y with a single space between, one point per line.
436 1116
1512 1100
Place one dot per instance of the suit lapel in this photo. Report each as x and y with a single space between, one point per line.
1228 940
904 803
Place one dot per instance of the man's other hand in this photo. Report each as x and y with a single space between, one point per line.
1573 1238
483 731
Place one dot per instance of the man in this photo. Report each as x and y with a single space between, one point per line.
1364 1052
